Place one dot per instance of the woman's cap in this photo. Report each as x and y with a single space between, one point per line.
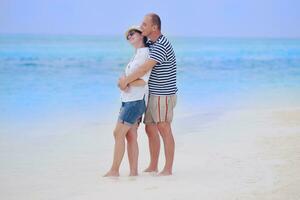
133 28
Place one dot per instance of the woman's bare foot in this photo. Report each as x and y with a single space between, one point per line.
111 173
165 173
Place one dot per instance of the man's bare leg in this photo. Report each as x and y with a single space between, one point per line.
119 134
169 147
132 150
154 147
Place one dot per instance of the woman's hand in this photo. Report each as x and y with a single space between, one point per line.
122 83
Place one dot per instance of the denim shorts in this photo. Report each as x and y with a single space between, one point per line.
131 112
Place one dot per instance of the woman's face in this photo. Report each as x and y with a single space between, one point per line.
134 37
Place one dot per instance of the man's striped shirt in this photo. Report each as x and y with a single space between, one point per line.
162 80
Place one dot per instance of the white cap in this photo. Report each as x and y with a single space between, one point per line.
135 28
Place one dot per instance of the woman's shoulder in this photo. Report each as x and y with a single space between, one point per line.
144 51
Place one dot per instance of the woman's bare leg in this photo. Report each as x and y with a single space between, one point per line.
132 150
119 134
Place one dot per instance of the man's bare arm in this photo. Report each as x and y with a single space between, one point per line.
141 71
138 82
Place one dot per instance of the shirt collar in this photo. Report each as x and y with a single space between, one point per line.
151 42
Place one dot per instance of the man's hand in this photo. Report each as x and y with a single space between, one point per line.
122 84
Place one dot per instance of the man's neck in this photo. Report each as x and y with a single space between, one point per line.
154 36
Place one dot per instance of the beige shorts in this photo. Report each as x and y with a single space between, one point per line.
160 109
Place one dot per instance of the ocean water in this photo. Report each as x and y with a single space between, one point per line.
47 78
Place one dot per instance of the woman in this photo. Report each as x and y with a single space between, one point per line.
133 106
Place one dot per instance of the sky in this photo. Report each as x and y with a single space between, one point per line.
209 18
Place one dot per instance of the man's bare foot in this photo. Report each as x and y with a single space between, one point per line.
150 169
133 174
165 173
111 173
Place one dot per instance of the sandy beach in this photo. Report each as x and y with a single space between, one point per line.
243 154
234 66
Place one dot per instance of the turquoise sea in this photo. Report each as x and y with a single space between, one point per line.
52 79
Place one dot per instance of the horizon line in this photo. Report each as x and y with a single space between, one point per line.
168 35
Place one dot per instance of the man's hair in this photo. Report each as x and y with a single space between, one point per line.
155 20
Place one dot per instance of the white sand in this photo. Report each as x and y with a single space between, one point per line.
247 154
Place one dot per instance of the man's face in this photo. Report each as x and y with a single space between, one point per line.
147 26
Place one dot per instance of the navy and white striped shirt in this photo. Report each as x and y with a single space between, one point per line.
162 80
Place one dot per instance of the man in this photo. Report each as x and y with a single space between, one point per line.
162 93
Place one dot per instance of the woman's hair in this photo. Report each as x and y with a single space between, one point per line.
145 39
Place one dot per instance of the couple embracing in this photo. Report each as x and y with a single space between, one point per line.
150 77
